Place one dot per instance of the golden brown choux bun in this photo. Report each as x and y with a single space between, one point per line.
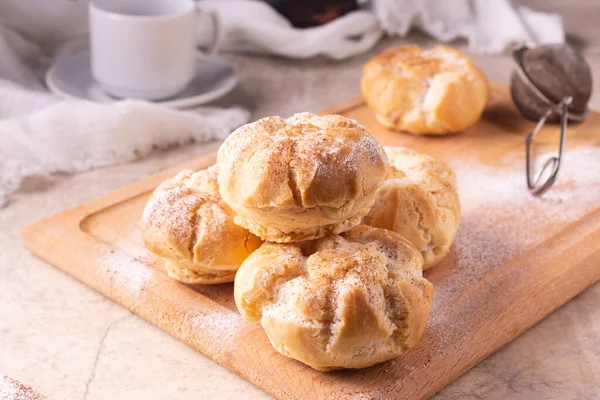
187 223
433 92
420 202
300 178
343 301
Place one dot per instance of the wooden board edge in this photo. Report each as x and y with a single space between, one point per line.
89 207
344 106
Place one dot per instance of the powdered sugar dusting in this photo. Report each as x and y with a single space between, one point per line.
221 326
127 271
137 277
501 219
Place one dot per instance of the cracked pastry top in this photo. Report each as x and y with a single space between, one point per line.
188 224
343 301
420 202
435 91
300 178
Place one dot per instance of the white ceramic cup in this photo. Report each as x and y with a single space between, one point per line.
145 49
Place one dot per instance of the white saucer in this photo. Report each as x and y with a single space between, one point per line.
71 77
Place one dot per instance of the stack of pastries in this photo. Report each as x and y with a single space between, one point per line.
325 232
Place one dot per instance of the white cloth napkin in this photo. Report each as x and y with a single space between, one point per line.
255 27
490 26
75 136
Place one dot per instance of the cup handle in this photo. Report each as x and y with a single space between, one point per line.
218 33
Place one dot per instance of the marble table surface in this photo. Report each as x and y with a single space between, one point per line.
69 342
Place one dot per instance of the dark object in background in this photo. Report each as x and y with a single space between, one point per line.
547 74
309 13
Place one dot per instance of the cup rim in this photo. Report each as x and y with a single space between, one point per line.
116 15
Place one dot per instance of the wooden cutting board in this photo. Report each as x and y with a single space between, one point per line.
516 258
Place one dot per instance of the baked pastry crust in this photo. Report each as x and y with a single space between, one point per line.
187 223
435 91
343 301
300 178
420 202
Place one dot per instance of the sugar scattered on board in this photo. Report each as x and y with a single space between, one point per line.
222 325
501 220
131 268
494 199
127 270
